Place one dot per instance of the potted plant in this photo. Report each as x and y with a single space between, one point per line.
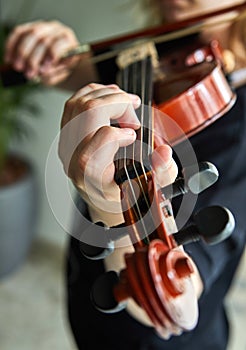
17 181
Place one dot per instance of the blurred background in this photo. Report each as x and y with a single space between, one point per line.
32 295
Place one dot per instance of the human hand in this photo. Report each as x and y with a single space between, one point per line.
89 142
36 49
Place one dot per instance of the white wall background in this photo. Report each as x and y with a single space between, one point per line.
91 20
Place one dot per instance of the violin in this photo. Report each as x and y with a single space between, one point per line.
157 275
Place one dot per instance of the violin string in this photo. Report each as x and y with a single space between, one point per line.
125 84
148 106
133 89
127 73
136 78
144 86
139 85
143 90
147 139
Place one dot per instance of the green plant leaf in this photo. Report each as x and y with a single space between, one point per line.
16 105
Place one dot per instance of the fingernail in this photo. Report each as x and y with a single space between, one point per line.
128 131
135 98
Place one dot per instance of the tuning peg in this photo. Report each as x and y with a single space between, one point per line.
96 253
212 224
103 246
102 294
194 180
199 181
101 240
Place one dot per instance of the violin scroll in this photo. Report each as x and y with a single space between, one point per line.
158 281
166 270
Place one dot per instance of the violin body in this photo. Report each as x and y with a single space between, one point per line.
193 94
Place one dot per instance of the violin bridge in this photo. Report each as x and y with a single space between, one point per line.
136 53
